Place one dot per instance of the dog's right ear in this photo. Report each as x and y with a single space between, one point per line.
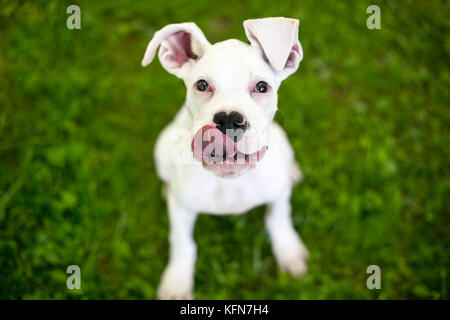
278 39
181 47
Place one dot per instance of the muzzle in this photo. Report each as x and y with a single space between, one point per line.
212 147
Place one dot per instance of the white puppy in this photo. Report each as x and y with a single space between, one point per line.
223 153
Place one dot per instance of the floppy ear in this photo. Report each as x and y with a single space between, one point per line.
181 46
278 40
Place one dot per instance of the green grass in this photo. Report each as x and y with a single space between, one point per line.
367 113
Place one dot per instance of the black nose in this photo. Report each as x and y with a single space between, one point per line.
229 123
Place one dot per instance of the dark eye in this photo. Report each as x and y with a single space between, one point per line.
261 87
202 85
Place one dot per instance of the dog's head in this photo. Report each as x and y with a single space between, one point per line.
231 87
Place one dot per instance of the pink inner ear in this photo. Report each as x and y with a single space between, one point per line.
178 49
293 56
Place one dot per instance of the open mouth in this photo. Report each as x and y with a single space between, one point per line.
213 148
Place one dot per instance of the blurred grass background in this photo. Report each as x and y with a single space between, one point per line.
367 114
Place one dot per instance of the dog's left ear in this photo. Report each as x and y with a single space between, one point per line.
181 46
278 40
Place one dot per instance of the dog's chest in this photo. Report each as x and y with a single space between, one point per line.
228 196
231 197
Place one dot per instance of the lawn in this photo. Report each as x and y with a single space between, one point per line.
367 114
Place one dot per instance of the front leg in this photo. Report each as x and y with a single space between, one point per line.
288 248
177 280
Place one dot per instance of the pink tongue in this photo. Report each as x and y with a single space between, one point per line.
209 141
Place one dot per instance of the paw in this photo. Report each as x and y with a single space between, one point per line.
292 257
295 264
175 285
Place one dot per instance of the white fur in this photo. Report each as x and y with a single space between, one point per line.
232 68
